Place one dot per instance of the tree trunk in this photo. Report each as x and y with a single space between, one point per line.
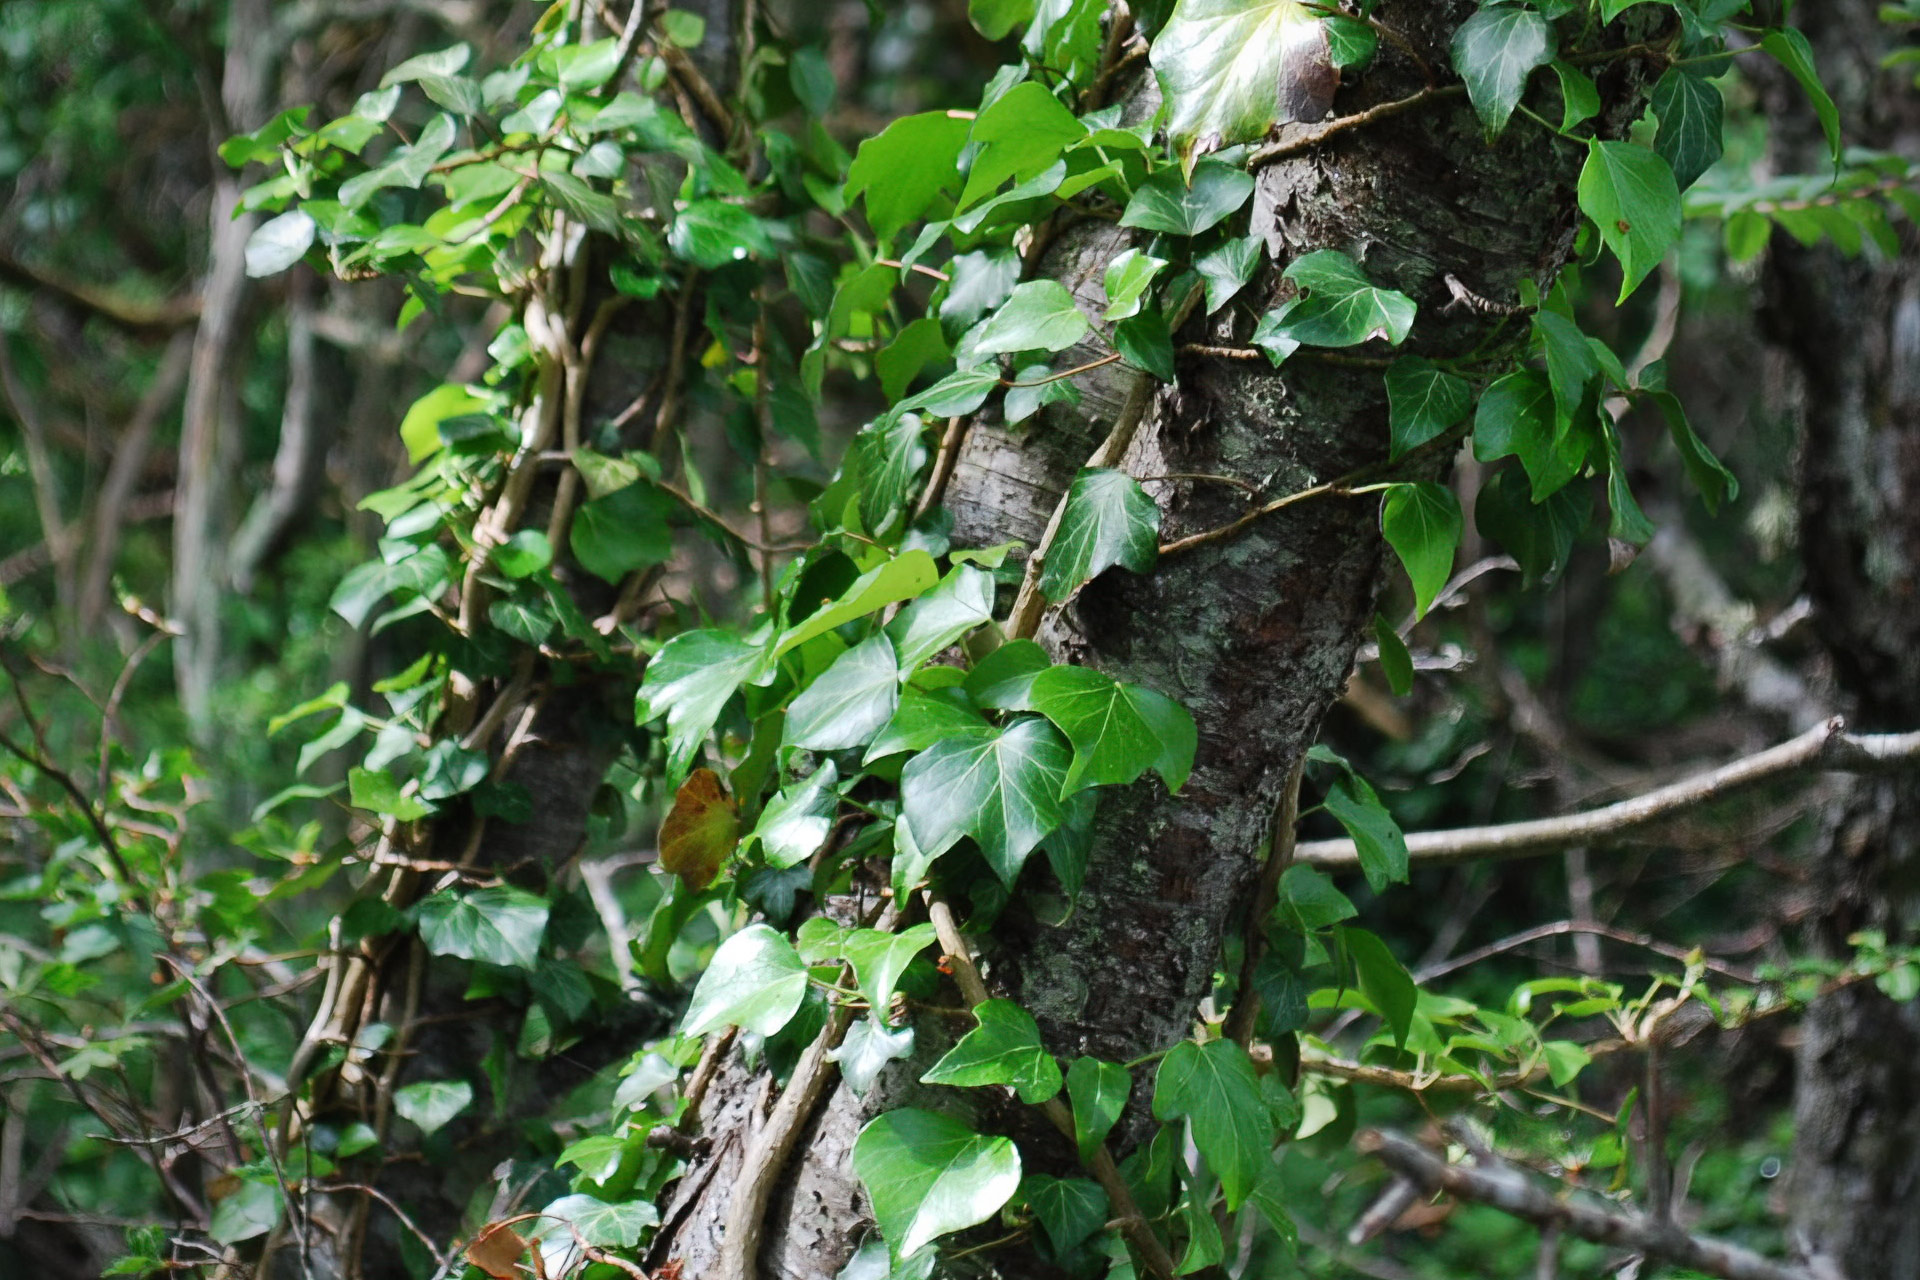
1851 333
1255 634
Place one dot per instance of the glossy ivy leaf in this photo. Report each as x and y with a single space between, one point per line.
849 701
1214 1088
714 234
1069 1210
278 243
1424 402
1395 662
1517 417
1691 113
1108 520
689 682
1383 980
1495 51
1039 316
1540 537
916 346
252 1210
1308 901
599 1224
1167 202
1570 360
1790 48
525 553
1227 268
1579 96
1229 69
796 822
1004 1049
624 531
1709 475
996 19
1118 731
755 982
1631 195
1629 524
962 601
1341 307
1098 1091
867 1048
927 1174
981 281
1145 342
882 466
901 578
499 925
1003 680
924 718
377 791
903 169
1376 836
1004 791
879 958
432 1104
1128 278
1017 136
1034 387
1422 524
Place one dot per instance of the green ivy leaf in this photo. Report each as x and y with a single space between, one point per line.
1004 791
1517 417
1342 308
1098 1091
624 531
1108 520
904 169
1579 96
1376 836
714 233
431 1104
500 925
901 578
377 791
1382 979
601 1225
1308 901
1166 202
1019 136
927 1174
1003 680
1631 195
1790 48
962 601
849 701
1539 537
867 1048
1040 315
689 682
1128 278
1069 1210
756 982
796 822
1691 113
1495 51
1422 523
1213 1087
1423 402
926 718
1220 61
1118 731
1395 662
1004 1049
278 243
1227 268
1145 342
879 958
1571 364
252 1210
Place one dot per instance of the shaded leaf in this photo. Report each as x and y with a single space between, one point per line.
700 831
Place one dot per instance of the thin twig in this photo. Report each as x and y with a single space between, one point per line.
1286 818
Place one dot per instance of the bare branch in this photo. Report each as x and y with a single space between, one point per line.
1825 747
1512 1192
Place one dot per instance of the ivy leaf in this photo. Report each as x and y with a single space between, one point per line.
1631 195
376 790
1220 61
431 1104
901 578
867 1048
1376 836
500 925
1069 1210
278 243
689 682
252 1210
882 464
1146 343
927 1174
1127 280
624 531
1098 1091
1004 791
714 234
1422 523
926 718
1020 135
1579 96
1495 51
755 982
879 958
1040 315
1118 731
1004 1049
1517 416
601 1225
1342 308
1227 269
1423 402
1108 520
849 701
1790 48
1629 523
962 601
1003 680
1709 475
796 822
1166 202
994 19
1691 115
1382 979
1308 901
1213 1086
1570 360
1539 536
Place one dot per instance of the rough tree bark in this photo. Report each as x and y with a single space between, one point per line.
1850 333
1255 634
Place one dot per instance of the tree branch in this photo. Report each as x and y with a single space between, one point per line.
139 318
1824 747
1512 1192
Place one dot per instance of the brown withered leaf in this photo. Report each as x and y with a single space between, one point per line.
496 1250
700 831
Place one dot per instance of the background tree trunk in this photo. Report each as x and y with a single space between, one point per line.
1850 331
1254 634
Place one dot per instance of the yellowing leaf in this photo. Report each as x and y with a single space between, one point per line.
700 831
496 1250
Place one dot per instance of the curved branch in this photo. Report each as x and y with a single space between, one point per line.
1825 747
